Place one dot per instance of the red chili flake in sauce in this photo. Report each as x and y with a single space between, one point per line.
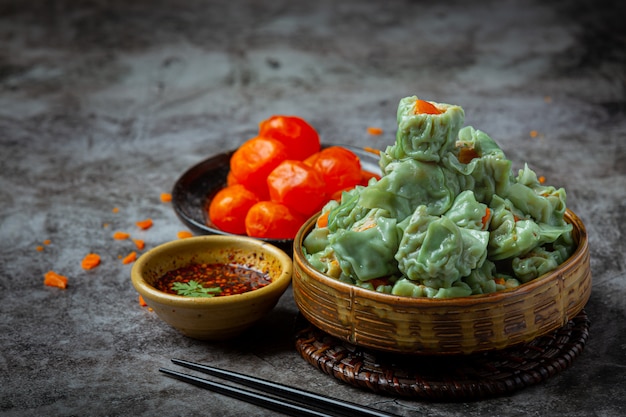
230 278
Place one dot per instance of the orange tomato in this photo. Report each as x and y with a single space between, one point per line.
298 136
339 167
269 219
229 207
298 186
230 179
254 160
366 175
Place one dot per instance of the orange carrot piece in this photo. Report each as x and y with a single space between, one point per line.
374 130
115 210
47 242
422 106
183 234
377 282
120 235
142 302
500 281
53 279
466 155
39 248
366 176
322 220
166 197
486 217
130 258
90 261
144 224
139 243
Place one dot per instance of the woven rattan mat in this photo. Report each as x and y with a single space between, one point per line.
445 378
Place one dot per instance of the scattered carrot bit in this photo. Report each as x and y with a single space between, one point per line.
105 225
90 261
542 179
139 243
144 224
120 235
130 258
372 150
533 133
53 279
40 248
500 281
115 210
142 302
547 99
183 234
374 130
166 197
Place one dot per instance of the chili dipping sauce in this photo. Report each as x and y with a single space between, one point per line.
230 278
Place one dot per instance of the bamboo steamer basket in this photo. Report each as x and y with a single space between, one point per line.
454 326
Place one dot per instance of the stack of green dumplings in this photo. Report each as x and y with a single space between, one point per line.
448 218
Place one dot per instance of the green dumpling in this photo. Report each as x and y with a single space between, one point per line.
422 136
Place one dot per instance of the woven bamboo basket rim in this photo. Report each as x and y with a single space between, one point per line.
580 252
445 378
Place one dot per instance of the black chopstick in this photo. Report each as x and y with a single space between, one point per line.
306 398
248 396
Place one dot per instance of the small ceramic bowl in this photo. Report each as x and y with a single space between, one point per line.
192 192
217 318
444 326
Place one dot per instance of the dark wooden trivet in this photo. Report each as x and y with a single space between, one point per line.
445 378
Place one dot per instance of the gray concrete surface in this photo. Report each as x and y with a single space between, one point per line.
104 104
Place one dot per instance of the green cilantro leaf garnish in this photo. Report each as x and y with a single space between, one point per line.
194 289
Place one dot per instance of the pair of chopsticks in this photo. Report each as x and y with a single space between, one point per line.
273 396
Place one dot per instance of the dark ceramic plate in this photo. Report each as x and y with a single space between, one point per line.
193 191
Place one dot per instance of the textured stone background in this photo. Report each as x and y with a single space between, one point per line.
105 104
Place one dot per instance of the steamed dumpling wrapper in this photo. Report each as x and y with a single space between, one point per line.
484 170
407 288
514 234
366 251
408 184
545 204
423 137
541 259
436 251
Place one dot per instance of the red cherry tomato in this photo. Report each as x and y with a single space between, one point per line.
298 136
366 175
254 160
229 207
272 220
298 186
340 168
